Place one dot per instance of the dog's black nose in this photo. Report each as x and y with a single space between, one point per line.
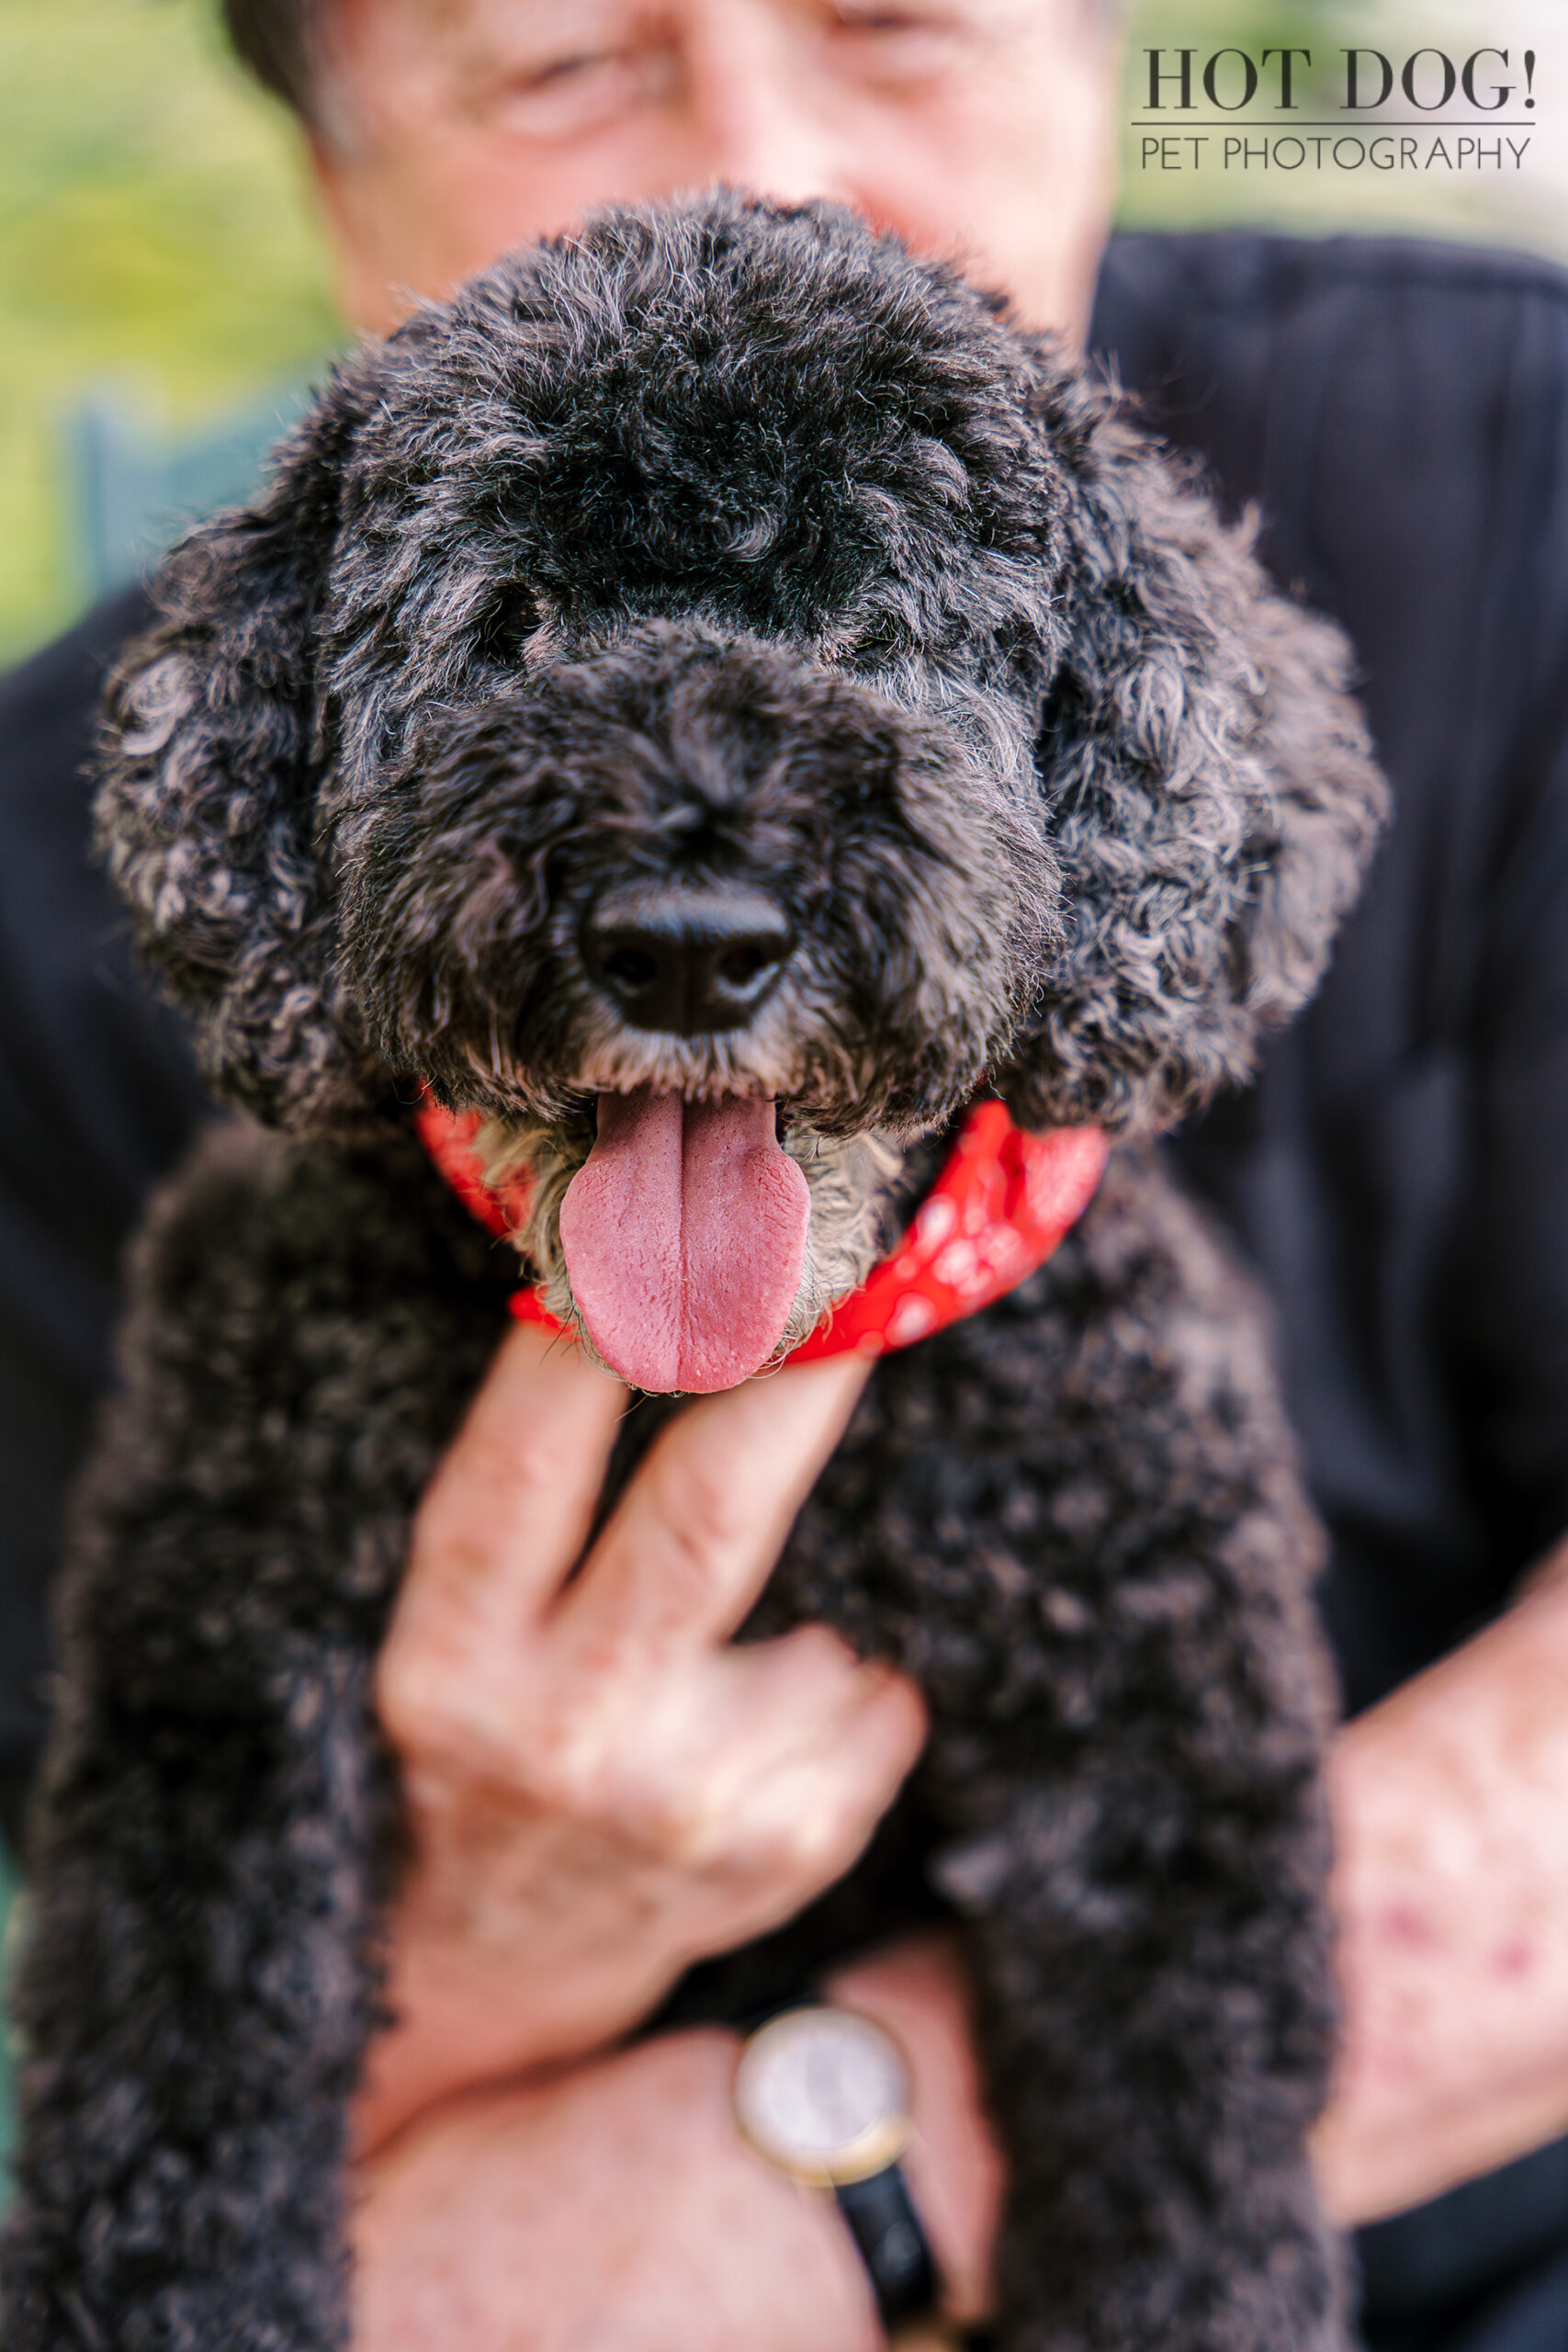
686 959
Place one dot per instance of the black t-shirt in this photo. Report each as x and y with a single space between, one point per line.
1399 1176
1399 415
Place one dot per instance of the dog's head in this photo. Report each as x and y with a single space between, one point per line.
717 688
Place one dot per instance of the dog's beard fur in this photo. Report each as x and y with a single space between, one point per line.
854 1182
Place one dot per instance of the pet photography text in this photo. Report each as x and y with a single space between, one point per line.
1344 110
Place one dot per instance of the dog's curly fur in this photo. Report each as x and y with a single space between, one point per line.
714 543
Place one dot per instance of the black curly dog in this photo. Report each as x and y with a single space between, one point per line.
717 558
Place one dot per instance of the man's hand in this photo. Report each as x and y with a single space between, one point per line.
601 1788
615 2204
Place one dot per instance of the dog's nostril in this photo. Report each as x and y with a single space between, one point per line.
686 959
744 965
630 969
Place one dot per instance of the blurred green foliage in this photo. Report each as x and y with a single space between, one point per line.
155 236
158 253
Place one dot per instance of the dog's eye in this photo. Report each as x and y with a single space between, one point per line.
882 643
502 630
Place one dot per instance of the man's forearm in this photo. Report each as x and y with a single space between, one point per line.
1450 1814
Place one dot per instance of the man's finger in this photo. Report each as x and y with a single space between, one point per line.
791 1818
811 1815
696 1533
506 1514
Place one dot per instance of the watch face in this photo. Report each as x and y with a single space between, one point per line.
824 2094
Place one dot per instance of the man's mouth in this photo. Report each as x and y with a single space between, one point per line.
684 1238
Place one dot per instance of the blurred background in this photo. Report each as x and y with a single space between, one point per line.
163 302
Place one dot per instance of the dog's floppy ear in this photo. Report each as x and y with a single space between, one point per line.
1212 796
206 813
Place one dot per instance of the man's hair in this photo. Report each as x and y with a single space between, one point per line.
273 38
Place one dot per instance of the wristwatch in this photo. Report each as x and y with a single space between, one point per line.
823 2095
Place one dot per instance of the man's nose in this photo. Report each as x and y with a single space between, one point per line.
686 960
754 116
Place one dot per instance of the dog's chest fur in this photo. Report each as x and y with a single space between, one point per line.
1070 1518
1000 1518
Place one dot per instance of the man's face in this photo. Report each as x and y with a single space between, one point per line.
457 129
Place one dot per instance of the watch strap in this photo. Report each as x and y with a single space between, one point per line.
886 2229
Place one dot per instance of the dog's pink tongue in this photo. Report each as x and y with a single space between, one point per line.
684 1237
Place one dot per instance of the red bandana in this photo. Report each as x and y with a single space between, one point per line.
1001 1203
